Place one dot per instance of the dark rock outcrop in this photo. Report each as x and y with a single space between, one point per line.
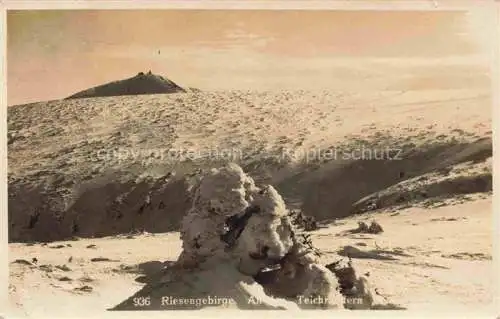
102 207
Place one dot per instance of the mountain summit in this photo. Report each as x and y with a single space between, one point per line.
142 83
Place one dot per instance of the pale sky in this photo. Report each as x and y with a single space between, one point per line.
53 54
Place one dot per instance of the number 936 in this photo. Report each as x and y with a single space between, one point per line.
142 301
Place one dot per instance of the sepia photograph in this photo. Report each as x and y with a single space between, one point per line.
188 159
